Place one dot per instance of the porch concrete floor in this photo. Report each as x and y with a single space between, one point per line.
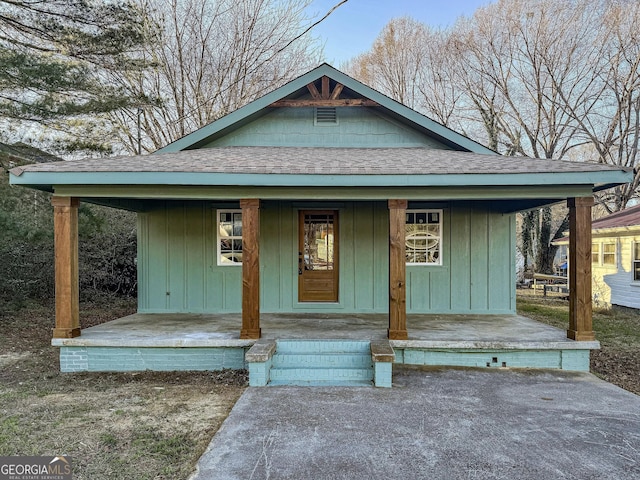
425 331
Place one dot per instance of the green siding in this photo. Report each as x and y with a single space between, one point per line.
195 251
365 257
177 262
176 253
460 254
178 271
356 127
479 261
500 254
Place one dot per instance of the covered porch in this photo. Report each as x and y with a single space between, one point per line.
212 341
394 325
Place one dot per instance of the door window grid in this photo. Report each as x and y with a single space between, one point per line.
318 242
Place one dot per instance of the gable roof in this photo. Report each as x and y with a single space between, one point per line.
629 217
183 170
298 87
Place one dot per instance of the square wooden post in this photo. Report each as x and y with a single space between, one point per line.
65 225
397 271
250 268
580 301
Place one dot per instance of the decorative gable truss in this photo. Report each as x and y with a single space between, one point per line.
326 97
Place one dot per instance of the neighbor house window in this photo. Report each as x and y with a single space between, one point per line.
609 254
595 253
636 261
229 223
423 237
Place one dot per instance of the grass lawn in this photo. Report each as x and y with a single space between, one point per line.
156 425
617 329
114 425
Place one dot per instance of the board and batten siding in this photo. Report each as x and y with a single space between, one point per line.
177 262
614 284
355 127
477 274
178 271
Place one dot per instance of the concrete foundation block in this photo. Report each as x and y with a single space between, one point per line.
576 360
132 359
383 374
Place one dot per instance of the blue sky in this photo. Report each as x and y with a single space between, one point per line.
353 27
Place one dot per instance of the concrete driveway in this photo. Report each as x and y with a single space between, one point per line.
433 424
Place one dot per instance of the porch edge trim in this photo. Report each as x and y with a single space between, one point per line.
453 344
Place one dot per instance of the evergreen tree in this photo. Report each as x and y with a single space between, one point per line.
56 56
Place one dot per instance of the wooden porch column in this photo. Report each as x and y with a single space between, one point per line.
397 271
580 303
250 268
65 225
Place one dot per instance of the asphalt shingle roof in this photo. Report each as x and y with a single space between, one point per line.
626 218
319 161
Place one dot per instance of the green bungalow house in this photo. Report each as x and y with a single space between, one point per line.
323 218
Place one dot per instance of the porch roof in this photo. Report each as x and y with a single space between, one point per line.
319 167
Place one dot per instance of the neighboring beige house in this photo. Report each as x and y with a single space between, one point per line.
615 257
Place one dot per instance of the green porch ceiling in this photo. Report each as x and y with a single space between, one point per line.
152 197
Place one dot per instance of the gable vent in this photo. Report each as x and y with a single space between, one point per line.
326 115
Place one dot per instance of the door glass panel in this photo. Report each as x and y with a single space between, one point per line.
318 242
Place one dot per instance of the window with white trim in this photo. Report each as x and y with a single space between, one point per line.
423 237
229 227
608 253
635 251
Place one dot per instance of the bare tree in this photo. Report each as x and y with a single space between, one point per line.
440 97
529 71
609 114
396 62
517 53
529 77
210 58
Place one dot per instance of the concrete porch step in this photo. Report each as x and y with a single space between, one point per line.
322 346
320 383
311 376
322 360
320 363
